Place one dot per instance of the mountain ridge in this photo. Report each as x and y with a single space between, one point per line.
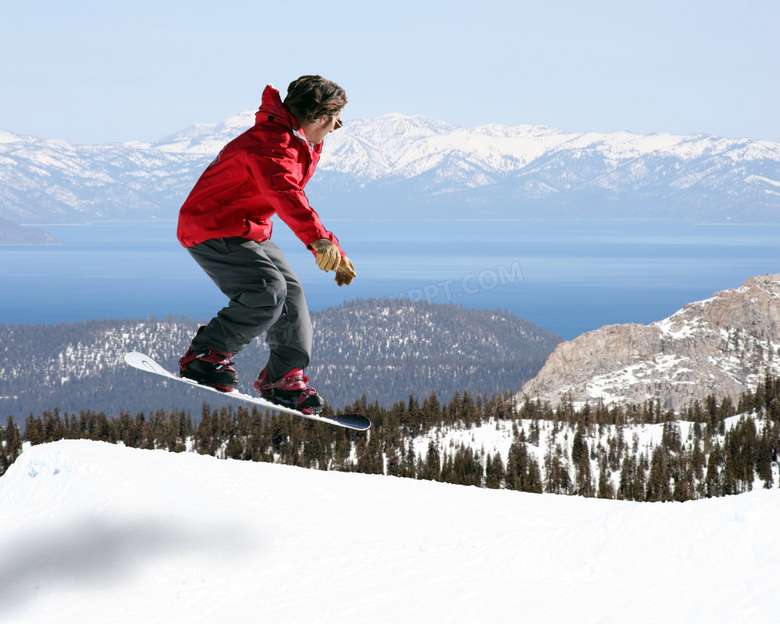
385 349
415 166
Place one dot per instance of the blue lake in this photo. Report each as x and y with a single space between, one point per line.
566 276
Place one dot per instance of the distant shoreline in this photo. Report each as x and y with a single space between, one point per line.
13 235
435 220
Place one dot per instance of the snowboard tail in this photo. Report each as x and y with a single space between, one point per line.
143 362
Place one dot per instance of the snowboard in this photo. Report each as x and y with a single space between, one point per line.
143 362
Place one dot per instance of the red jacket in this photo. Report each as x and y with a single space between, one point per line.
260 173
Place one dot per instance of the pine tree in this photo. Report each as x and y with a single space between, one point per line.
605 487
431 467
410 463
466 468
394 462
581 460
370 460
627 479
712 484
558 480
10 444
658 488
494 471
53 429
33 430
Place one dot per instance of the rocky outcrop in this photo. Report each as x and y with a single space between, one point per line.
721 346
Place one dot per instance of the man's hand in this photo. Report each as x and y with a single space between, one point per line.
345 273
328 255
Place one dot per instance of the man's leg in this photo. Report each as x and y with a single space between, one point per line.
290 337
256 288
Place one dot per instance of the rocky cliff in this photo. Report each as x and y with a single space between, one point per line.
721 346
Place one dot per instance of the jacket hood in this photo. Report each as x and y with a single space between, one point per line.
271 106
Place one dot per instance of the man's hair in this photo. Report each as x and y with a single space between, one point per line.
311 97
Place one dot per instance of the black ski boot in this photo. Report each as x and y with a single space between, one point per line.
209 368
290 391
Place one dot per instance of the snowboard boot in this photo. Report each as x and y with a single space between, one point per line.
209 368
290 391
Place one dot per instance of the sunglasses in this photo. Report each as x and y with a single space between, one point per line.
338 124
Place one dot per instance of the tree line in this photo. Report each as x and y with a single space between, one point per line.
590 450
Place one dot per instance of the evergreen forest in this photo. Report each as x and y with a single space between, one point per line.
636 453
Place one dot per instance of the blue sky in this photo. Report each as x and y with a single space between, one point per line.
103 71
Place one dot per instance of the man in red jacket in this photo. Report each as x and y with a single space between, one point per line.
225 225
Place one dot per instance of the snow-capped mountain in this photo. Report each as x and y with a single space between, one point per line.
50 181
721 346
206 139
414 167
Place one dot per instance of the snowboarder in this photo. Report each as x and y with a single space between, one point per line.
225 224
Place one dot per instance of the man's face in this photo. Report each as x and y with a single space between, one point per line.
318 130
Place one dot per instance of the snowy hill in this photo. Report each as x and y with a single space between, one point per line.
91 532
414 167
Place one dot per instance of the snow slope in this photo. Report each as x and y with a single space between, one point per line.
91 532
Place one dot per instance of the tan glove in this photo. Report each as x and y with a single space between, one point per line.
345 273
328 255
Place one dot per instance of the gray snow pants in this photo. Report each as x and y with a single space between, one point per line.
265 295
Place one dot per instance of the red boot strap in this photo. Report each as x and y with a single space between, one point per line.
221 360
284 381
